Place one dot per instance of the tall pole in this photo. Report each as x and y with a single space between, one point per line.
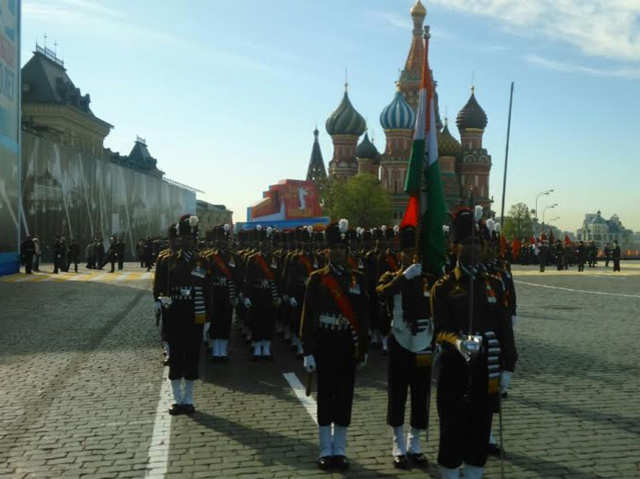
506 158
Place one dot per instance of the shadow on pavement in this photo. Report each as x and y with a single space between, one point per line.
259 440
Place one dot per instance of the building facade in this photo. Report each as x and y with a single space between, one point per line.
74 187
211 215
601 231
465 164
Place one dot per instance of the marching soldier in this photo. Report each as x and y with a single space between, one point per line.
27 250
74 254
222 270
58 255
262 298
615 255
582 254
334 330
471 331
180 287
113 252
387 261
99 253
410 348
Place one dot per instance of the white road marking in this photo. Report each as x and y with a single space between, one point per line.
159 448
122 276
307 401
602 293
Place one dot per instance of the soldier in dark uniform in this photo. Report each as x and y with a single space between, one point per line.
543 253
74 254
121 250
262 297
387 261
615 255
581 256
27 250
473 351
180 288
112 253
147 253
58 254
99 253
334 331
221 265
407 291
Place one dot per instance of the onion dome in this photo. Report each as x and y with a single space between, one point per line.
346 120
366 149
447 144
398 115
472 115
418 10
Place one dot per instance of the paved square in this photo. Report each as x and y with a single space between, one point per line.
81 382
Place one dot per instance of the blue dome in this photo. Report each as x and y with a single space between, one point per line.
398 115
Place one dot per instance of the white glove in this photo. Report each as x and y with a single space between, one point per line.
247 303
505 380
413 271
309 363
165 300
293 302
363 363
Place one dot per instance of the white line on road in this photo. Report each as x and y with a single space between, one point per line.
159 448
602 293
307 401
122 276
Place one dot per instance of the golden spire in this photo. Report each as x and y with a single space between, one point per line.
418 10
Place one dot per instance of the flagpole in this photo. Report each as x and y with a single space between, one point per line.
426 36
506 159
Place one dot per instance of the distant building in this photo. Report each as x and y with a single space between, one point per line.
211 215
73 186
595 228
464 165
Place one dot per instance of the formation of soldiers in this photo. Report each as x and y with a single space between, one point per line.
333 292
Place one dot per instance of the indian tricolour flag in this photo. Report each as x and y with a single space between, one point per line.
426 209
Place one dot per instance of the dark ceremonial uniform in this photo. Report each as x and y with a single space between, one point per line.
581 256
120 246
615 255
387 262
112 254
222 270
27 250
158 290
468 389
74 254
261 289
99 252
334 329
370 261
181 277
147 254
58 255
299 267
410 346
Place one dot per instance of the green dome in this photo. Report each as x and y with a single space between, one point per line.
447 144
346 120
367 150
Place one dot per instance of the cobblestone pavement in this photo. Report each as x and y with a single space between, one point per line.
80 381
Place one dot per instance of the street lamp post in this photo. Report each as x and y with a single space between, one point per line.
544 193
545 210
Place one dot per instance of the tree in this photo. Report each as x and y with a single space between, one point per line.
518 224
361 199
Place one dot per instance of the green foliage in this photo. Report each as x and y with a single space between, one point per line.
519 223
361 199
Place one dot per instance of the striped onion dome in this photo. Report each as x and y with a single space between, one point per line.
366 149
398 115
346 120
447 144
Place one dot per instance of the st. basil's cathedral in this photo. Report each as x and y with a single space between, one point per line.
464 164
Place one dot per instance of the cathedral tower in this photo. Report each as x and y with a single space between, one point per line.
475 163
316 171
345 125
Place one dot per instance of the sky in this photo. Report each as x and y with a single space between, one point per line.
227 93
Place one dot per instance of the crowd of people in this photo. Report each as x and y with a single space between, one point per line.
545 251
67 255
335 292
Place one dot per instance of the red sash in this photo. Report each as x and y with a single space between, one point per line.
307 264
263 266
221 266
352 262
391 261
341 299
